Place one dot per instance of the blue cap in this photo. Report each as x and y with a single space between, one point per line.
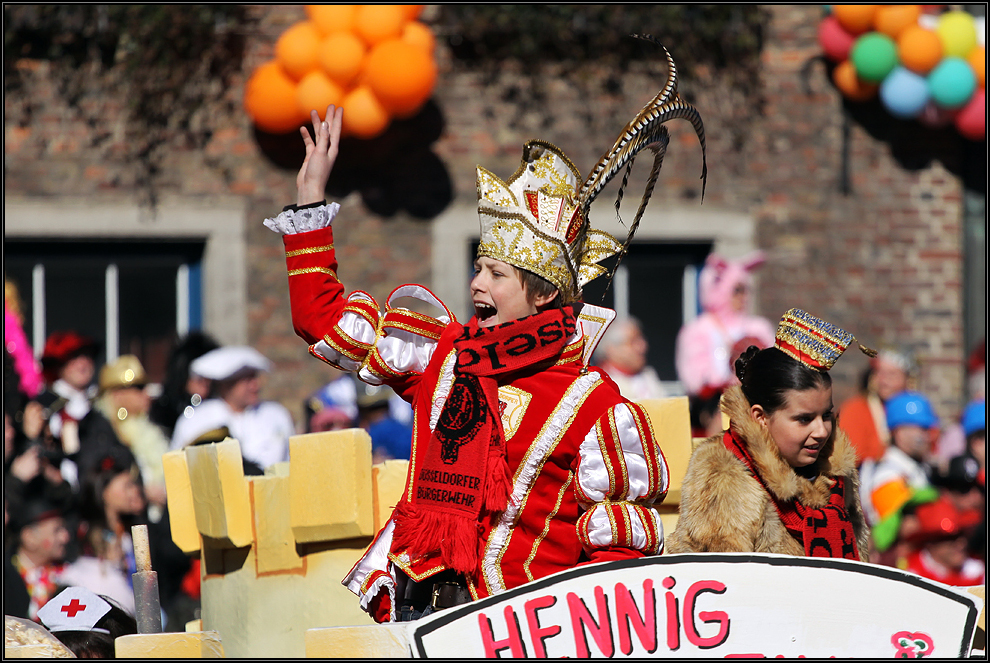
910 407
974 417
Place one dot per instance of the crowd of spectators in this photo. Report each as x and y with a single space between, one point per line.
83 450
83 447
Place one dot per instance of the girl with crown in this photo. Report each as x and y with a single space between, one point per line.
783 478
524 461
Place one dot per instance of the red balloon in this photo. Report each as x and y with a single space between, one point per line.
834 39
972 118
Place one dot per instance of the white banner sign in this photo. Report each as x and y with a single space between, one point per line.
732 605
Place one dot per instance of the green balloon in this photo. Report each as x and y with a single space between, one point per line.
874 55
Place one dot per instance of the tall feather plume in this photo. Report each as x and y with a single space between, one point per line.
644 131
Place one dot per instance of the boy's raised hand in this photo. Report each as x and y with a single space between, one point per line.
311 181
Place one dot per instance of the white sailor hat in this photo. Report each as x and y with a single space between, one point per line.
224 362
74 609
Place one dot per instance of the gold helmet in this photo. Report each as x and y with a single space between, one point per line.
125 371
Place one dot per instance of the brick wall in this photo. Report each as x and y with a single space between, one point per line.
883 261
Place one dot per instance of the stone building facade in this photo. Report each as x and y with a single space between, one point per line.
882 258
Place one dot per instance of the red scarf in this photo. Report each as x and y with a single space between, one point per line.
825 532
461 476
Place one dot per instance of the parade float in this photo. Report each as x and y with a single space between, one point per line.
273 549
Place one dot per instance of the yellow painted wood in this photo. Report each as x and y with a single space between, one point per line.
330 491
671 420
268 616
388 480
980 592
669 521
277 469
201 644
371 641
275 547
181 512
220 492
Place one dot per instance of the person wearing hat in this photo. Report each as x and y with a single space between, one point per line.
901 480
37 551
782 479
524 456
333 406
942 540
86 623
84 434
707 346
111 501
68 363
263 428
124 401
863 417
974 424
182 391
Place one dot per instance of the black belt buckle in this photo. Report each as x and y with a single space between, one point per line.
449 594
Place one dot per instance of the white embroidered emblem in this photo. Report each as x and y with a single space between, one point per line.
512 404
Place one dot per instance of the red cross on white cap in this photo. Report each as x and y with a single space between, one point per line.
74 609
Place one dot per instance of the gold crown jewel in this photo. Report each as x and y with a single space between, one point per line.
537 220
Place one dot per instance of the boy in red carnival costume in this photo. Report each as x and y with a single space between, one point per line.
524 461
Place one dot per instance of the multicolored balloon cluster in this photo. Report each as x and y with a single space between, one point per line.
376 61
925 63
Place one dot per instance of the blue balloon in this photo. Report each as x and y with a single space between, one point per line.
904 93
952 82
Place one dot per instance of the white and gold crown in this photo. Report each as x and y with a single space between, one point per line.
533 221
537 220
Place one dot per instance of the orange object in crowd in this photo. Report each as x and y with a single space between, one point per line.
890 497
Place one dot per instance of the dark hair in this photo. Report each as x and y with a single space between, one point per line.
537 286
95 478
168 407
92 644
767 375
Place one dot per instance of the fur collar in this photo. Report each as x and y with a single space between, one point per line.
838 458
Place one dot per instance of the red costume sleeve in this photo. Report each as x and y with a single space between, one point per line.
315 295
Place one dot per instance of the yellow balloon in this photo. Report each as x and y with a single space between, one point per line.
957 31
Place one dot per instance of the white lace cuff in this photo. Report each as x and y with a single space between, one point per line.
292 221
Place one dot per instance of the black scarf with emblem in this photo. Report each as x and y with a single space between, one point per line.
462 477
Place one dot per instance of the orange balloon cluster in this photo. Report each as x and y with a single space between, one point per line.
376 61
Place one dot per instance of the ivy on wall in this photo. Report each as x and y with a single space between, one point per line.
706 41
720 36
167 62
